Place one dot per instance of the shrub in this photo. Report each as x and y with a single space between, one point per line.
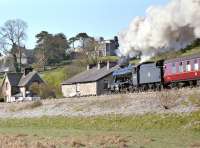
43 90
168 98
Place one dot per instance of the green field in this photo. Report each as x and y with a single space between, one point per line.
151 131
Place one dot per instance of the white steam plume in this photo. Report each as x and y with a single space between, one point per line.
170 27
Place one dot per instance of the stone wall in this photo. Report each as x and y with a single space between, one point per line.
69 90
88 89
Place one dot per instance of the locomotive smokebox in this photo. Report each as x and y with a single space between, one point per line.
123 61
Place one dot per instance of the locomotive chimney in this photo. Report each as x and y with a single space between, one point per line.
123 61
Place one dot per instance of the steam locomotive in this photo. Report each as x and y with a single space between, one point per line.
173 73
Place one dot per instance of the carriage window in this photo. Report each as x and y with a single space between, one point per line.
196 65
188 66
180 67
173 68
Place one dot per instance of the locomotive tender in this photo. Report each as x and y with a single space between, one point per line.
171 73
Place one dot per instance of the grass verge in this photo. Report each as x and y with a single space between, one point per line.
174 131
110 122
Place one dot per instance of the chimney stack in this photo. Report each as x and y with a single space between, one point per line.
108 65
28 70
99 65
88 67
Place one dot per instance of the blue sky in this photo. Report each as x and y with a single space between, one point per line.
96 17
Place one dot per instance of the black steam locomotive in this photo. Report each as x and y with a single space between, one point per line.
145 76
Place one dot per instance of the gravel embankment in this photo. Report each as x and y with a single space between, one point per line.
176 101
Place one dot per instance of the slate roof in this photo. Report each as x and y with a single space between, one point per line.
91 75
14 78
29 78
18 79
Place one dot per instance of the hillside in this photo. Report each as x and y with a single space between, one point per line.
55 77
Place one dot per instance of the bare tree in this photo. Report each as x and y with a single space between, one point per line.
12 36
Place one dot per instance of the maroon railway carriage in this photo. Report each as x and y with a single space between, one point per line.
184 71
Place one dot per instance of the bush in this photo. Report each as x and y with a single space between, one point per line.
168 98
43 90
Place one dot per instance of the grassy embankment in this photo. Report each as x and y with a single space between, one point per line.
172 131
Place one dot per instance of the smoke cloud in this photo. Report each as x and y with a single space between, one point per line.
164 28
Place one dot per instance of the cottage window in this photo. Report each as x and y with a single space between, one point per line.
181 67
173 68
196 65
188 66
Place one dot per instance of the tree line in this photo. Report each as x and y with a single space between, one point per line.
50 48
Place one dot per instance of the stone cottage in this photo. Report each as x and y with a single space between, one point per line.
94 81
19 83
